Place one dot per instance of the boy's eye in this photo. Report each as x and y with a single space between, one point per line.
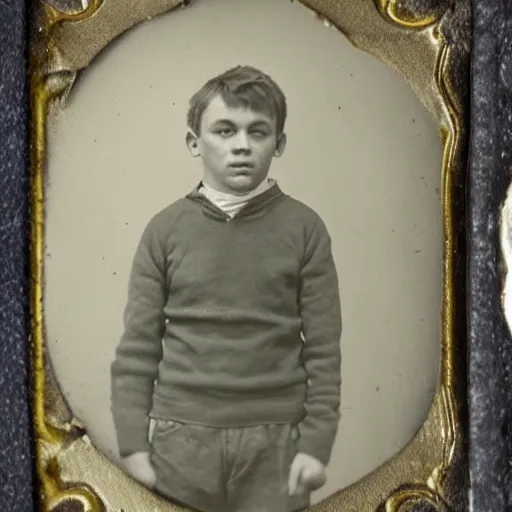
225 132
228 132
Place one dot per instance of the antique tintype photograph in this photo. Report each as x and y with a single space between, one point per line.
243 259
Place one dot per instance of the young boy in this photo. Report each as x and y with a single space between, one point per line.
232 327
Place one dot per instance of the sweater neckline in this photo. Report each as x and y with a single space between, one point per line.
255 207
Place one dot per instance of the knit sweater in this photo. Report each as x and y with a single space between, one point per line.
231 322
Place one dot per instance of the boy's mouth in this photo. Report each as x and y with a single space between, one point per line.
241 165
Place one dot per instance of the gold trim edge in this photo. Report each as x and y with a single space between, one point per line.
413 475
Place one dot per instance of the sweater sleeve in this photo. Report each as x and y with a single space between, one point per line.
320 309
138 354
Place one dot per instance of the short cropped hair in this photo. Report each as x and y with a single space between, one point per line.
243 86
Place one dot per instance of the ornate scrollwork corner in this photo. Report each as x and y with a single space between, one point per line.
412 14
48 18
430 495
57 495
68 497
55 15
66 36
420 498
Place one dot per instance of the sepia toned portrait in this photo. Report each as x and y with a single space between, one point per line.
243 265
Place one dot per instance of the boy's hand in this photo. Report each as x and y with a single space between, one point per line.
138 465
306 473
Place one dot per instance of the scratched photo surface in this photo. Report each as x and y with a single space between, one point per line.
361 151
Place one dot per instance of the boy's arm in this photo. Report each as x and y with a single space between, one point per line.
320 309
138 354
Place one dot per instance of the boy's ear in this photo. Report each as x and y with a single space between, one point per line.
192 143
281 144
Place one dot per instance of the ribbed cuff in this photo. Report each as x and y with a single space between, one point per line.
317 444
132 433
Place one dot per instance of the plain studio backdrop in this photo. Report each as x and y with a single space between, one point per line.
362 151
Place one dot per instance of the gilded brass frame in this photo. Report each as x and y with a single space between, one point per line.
70 471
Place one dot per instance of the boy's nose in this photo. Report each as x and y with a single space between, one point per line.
241 142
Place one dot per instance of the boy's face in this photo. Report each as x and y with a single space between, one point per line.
236 146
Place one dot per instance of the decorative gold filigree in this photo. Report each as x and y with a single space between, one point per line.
61 496
397 13
406 499
65 43
55 15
